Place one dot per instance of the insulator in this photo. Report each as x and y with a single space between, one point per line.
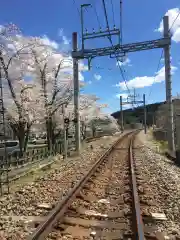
93 30
100 29
86 31
114 27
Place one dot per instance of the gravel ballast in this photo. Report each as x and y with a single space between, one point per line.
37 198
164 177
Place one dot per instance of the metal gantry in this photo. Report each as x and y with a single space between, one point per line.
131 100
120 50
4 166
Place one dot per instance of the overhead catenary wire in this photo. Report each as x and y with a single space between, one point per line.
112 7
159 62
158 66
174 20
95 11
110 39
77 9
121 26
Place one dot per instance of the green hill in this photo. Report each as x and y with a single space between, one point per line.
137 114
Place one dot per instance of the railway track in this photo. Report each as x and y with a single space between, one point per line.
105 204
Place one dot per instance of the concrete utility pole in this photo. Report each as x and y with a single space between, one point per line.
121 117
145 116
76 94
170 130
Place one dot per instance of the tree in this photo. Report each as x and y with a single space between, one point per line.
53 71
38 61
30 110
22 100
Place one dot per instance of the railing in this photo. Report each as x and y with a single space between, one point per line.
40 153
31 156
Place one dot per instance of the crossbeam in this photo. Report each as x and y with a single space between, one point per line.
132 102
121 49
100 34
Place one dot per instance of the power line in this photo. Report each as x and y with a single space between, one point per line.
77 9
94 7
104 6
121 34
175 20
113 12
159 63
110 39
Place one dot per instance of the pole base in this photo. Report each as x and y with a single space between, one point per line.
178 157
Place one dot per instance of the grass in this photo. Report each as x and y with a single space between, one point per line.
161 145
33 174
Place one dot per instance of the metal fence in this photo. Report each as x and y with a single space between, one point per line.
32 155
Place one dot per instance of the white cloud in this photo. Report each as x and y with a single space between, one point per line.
162 59
48 42
124 63
127 106
65 40
81 77
97 76
124 95
176 36
82 66
172 13
146 81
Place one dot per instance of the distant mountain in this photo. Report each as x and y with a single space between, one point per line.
137 114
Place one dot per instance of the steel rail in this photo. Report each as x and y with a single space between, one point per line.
138 222
58 212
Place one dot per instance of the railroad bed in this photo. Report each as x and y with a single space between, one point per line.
111 201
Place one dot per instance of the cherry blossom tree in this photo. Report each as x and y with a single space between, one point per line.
53 71
30 110
31 58
22 100
38 81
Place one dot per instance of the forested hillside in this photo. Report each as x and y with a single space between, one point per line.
137 114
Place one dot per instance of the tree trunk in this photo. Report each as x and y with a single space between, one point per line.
19 132
83 130
49 133
84 137
93 131
26 139
21 139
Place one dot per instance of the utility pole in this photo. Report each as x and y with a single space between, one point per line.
145 117
170 130
76 95
121 117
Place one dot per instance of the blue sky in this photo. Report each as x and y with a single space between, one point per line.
140 19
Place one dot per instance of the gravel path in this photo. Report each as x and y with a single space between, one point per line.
39 197
164 178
